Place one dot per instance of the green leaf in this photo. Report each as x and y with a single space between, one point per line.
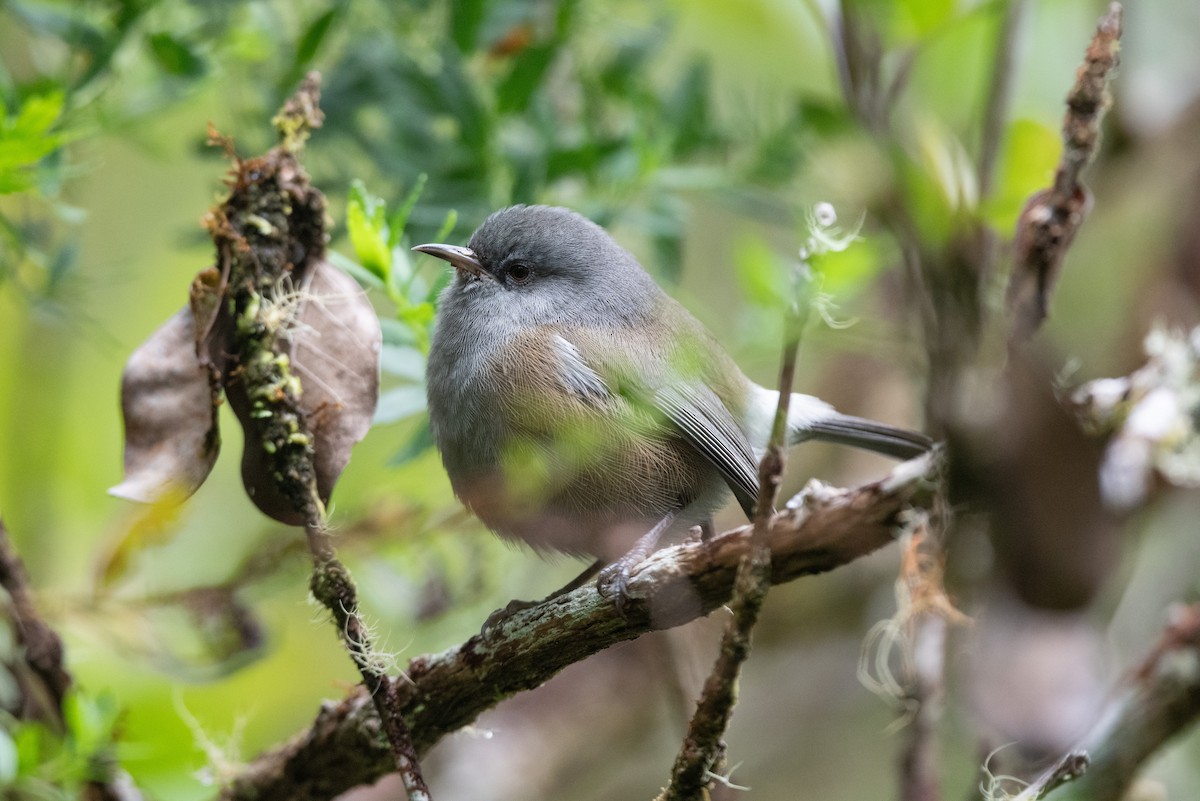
760 272
404 361
688 110
314 35
39 112
845 272
366 224
399 220
922 17
174 56
420 442
90 719
466 17
515 91
1027 164
26 139
399 403
447 226
9 763
355 270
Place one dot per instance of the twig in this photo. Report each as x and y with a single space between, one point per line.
1158 701
703 745
42 646
1051 217
440 693
43 653
924 688
333 586
264 235
1067 769
999 93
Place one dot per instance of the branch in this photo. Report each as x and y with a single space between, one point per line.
43 654
1158 701
823 528
1051 218
42 647
703 745
265 239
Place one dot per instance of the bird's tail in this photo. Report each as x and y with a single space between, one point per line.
867 434
812 418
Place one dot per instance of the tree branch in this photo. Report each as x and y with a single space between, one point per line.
1051 218
823 528
1159 700
46 691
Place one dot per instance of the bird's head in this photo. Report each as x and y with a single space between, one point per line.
543 265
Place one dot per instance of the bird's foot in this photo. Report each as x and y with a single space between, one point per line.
613 581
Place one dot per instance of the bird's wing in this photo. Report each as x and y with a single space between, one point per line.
577 377
709 427
691 409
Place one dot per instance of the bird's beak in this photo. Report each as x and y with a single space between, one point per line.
460 258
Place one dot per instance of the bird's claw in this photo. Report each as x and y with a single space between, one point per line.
613 582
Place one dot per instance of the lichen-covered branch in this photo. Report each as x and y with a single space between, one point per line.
822 529
270 237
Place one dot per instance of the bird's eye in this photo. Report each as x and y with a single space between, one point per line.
520 273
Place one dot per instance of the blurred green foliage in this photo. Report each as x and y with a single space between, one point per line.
699 132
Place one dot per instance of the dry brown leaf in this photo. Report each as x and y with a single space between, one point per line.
335 352
171 437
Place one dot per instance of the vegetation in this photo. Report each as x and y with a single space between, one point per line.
702 135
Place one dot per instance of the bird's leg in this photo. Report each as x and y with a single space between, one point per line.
614 579
517 605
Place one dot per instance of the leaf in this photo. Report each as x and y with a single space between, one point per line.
465 19
366 223
1027 164
404 361
400 403
314 35
171 437
515 91
844 272
26 139
151 525
399 220
760 273
359 273
174 56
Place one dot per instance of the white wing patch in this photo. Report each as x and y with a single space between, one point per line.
576 375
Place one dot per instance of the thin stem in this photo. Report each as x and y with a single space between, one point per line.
999 94
703 746
334 587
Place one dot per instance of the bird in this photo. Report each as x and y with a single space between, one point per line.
578 408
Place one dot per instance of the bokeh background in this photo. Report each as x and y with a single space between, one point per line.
699 132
